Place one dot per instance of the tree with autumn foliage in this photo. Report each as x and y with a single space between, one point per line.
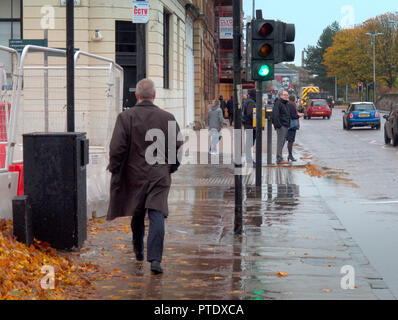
386 47
350 57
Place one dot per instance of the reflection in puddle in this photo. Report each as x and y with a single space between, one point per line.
278 200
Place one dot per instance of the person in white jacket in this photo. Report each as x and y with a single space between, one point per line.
215 120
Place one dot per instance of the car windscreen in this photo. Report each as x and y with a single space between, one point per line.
319 103
363 107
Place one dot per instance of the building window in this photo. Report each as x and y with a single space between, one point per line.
126 37
10 28
166 50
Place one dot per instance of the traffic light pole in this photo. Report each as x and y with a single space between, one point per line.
268 43
237 116
259 132
70 66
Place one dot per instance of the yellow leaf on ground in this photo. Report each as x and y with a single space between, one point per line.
137 284
282 274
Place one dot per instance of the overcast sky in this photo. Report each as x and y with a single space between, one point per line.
312 17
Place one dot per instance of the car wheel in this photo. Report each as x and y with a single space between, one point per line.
308 117
349 127
378 127
344 127
387 140
328 117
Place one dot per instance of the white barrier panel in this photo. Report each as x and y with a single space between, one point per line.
8 190
9 59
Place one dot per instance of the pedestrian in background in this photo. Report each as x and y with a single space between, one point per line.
247 121
294 126
230 107
215 120
281 121
136 185
222 104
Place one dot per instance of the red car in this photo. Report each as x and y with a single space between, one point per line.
317 108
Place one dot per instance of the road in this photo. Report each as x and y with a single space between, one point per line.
367 206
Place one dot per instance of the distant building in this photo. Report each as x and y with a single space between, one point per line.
285 78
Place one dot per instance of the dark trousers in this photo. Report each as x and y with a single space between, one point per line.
155 236
231 118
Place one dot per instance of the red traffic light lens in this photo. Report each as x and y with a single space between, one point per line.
265 50
265 30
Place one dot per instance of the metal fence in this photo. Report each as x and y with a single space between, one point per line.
40 101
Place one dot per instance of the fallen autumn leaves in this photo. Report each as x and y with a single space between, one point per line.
20 270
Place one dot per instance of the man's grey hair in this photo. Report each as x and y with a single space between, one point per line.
145 89
282 91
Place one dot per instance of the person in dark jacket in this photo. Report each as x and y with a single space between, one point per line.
140 179
291 133
223 104
281 121
230 107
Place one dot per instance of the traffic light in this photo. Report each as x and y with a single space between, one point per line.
360 87
262 49
267 46
285 51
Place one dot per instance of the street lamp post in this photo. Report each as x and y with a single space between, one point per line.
374 35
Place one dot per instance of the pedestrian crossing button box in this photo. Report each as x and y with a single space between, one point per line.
268 112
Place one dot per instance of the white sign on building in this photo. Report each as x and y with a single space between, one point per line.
77 3
140 11
226 28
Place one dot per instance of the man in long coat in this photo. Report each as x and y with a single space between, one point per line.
141 173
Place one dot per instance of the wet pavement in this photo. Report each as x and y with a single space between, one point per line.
369 210
292 245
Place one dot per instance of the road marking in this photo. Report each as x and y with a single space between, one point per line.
380 202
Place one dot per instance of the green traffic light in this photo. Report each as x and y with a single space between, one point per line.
264 70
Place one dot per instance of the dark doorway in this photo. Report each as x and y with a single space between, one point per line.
130 81
126 57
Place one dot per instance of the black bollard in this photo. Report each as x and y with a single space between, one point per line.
22 219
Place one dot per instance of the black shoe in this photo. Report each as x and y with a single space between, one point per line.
156 268
139 255
291 158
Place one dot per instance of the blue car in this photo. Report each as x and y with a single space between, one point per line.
361 114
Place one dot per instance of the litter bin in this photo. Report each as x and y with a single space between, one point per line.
55 181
